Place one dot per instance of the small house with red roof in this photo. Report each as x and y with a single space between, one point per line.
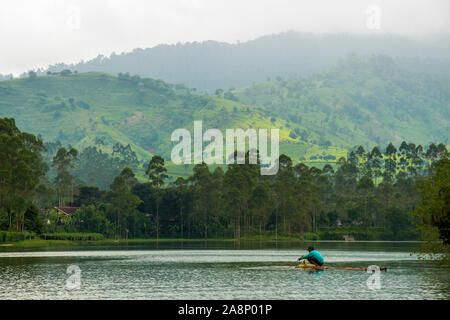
67 211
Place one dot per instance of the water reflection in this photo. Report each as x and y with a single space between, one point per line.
218 270
229 244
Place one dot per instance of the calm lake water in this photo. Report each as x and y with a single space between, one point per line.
218 270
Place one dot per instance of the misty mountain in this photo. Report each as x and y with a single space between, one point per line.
210 65
360 100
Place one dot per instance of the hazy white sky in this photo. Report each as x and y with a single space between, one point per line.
36 33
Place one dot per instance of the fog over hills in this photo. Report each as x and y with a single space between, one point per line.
210 65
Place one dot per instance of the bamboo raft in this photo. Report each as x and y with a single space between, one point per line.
307 266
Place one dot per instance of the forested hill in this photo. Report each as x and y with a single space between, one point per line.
361 100
86 109
211 65
367 101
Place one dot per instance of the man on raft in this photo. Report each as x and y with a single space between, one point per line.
314 257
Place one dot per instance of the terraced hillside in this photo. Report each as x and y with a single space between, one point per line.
367 101
361 101
99 109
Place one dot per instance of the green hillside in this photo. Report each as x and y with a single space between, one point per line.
99 109
361 101
367 101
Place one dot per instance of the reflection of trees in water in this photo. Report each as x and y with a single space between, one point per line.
438 280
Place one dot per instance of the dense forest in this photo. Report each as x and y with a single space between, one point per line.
370 194
362 100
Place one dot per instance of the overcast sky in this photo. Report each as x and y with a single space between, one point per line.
36 33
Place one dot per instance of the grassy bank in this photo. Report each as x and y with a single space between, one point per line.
18 239
367 234
8 236
76 239
36 242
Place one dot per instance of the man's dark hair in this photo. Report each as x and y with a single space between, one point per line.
310 248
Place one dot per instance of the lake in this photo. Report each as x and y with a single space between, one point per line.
218 270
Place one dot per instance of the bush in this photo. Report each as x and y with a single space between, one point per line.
83 105
310 236
33 222
72 236
7 236
366 234
330 235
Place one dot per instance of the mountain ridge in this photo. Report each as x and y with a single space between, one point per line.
210 65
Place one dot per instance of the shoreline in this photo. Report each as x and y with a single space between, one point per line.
39 243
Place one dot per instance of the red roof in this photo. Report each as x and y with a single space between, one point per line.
67 210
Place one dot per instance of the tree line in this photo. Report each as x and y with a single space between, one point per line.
368 189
